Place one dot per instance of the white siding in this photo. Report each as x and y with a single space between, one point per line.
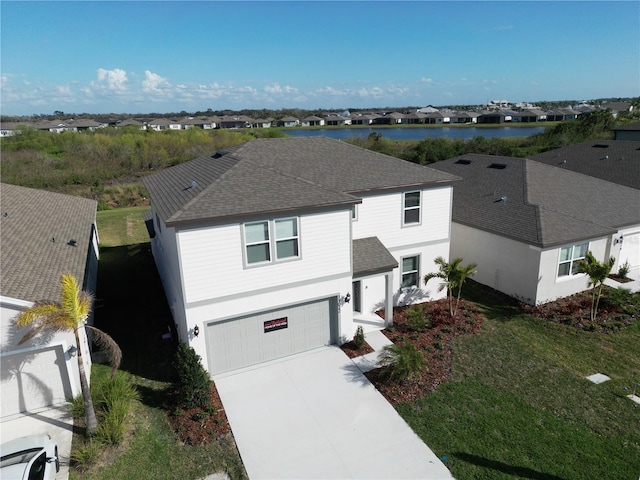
381 216
550 286
628 250
213 266
504 264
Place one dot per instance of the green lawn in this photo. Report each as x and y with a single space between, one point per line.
122 226
518 405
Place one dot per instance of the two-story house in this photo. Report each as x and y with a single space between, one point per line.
274 246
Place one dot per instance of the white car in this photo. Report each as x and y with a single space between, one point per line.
26 458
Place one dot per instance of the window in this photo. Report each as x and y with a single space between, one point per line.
569 258
256 237
411 208
410 272
354 212
286 238
271 240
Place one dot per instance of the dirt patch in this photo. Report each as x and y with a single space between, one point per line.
433 342
198 426
352 351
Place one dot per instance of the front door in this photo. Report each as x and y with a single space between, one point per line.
357 296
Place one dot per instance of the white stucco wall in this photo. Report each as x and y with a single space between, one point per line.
504 264
627 251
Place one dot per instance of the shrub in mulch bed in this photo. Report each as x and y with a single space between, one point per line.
618 309
433 342
350 349
199 426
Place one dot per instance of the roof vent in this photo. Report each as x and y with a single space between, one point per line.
72 243
463 161
600 145
498 166
502 199
220 153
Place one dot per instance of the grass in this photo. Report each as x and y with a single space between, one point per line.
122 226
131 307
518 405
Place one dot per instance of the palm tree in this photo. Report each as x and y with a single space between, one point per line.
598 273
454 275
70 314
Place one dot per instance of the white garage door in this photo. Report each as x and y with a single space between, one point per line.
33 380
265 336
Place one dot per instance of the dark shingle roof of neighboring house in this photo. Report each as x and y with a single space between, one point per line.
630 127
543 205
265 176
370 256
36 228
616 161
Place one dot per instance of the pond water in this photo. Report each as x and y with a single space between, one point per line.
418 133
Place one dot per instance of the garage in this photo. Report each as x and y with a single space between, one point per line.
252 339
33 379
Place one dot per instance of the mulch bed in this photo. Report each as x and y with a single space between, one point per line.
576 311
197 426
434 343
352 351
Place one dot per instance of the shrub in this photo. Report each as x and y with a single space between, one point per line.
77 406
358 338
417 318
86 456
402 361
194 385
623 270
113 424
114 397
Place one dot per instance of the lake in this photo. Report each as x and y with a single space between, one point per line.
418 133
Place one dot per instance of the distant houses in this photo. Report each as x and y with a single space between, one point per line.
496 112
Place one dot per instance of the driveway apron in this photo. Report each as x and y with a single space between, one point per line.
316 416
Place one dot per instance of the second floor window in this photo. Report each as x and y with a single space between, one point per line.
271 240
411 208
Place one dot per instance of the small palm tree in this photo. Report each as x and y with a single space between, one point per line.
598 273
403 361
70 314
454 275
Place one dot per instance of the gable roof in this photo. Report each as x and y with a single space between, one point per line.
370 256
616 161
36 229
279 175
538 204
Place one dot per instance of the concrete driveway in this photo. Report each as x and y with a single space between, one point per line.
315 415
56 421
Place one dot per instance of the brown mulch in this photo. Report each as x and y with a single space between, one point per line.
575 311
352 351
197 426
434 343
619 278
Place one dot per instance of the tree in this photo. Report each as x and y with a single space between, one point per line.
454 275
598 273
70 314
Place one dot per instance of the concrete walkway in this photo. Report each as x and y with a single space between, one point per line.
316 416
376 340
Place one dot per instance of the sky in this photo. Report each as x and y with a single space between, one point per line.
170 56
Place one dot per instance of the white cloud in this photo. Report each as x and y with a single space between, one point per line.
332 91
426 80
154 83
116 79
275 88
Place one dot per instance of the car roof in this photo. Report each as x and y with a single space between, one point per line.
24 443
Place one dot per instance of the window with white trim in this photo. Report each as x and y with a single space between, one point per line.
411 208
570 257
271 240
410 276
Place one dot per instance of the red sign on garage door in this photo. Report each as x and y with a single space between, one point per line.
277 324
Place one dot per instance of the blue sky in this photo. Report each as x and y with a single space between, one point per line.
165 56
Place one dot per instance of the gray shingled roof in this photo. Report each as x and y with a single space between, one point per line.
30 262
370 256
545 205
279 175
617 161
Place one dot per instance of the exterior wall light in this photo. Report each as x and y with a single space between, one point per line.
618 240
347 298
72 350
196 331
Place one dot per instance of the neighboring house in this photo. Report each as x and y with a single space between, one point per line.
337 120
527 224
8 129
312 121
131 122
627 132
288 122
83 125
362 119
161 124
616 161
44 235
272 247
415 118
236 121
204 123
392 118
263 123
